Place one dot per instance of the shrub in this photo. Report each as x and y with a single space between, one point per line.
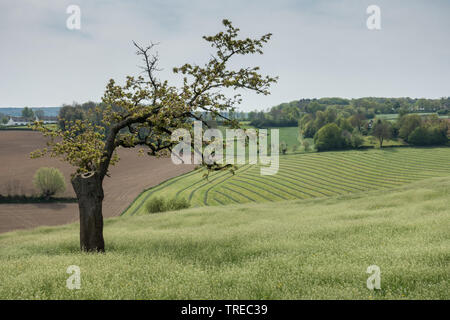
306 145
49 181
382 130
156 205
356 139
283 147
329 137
177 204
310 130
159 204
422 136
408 124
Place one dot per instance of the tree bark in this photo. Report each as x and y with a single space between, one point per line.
89 190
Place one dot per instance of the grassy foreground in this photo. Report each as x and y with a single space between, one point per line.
300 249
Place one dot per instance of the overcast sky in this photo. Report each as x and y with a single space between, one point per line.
319 48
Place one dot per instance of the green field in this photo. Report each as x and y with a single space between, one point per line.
288 135
301 249
304 176
394 116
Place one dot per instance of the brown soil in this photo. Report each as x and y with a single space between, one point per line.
129 177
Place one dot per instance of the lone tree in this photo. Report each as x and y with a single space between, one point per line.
382 130
144 112
27 113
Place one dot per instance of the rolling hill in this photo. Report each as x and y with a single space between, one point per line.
300 249
304 176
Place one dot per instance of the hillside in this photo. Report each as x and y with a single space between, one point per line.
303 249
302 176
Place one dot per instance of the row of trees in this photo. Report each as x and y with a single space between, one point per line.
31 114
286 114
422 131
27 113
332 131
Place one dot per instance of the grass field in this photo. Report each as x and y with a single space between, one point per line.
303 176
288 135
301 249
394 116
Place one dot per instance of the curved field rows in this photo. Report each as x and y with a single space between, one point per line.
305 176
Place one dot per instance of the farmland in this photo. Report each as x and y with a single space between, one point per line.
300 249
129 178
304 176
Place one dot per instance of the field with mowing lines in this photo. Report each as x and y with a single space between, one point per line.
301 249
303 176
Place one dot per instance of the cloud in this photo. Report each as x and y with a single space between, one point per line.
319 48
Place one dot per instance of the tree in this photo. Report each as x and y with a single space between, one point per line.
344 124
306 145
3 119
329 137
356 139
144 112
425 136
382 130
407 124
358 119
27 113
69 114
283 147
49 181
39 114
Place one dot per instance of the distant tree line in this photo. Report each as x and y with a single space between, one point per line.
333 130
287 114
26 113
86 111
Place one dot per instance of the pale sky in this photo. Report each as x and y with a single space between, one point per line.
319 48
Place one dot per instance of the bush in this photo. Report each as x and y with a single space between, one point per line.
306 145
422 136
408 124
329 137
419 137
155 205
283 147
356 139
159 204
49 181
177 204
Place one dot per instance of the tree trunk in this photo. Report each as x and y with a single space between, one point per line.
89 190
